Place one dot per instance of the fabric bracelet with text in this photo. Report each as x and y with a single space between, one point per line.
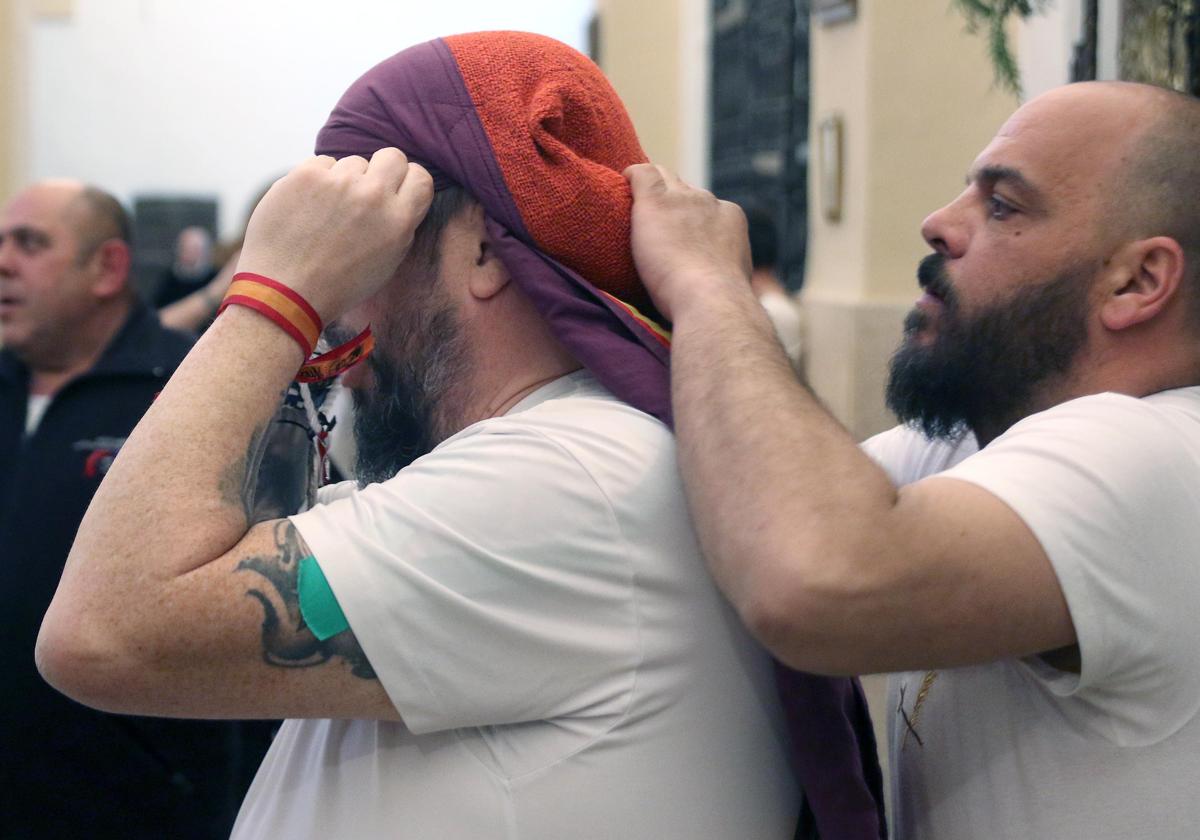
295 316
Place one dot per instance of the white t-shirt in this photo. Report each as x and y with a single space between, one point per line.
1110 486
788 321
35 409
533 599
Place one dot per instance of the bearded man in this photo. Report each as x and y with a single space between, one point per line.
1040 593
506 630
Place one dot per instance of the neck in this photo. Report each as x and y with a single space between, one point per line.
516 354
514 392
1121 372
76 352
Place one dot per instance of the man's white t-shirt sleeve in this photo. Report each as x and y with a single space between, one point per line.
906 455
1101 483
484 594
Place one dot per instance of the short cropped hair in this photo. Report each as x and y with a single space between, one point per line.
447 204
105 218
1161 193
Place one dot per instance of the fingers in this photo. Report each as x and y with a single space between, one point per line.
416 190
644 178
350 165
390 167
317 162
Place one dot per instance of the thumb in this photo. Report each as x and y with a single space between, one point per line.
644 179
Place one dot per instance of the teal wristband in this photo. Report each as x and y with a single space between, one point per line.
318 605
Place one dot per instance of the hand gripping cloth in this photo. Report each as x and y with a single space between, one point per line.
534 131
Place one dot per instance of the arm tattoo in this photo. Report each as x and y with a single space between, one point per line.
276 476
287 641
236 484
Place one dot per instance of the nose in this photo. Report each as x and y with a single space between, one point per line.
946 229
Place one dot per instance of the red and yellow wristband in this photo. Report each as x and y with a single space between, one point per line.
270 298
296 317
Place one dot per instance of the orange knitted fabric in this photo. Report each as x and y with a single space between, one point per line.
562 138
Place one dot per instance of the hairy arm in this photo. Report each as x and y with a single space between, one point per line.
172 602
827 562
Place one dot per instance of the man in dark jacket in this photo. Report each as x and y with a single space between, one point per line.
81 359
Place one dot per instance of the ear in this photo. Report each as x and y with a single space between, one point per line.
1144 278
488 276
110 264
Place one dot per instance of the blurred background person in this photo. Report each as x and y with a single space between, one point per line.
82 360
192 269
781 307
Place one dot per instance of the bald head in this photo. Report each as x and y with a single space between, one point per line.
1130 150
99 217
1161 186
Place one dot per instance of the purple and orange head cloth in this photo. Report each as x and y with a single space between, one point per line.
534 131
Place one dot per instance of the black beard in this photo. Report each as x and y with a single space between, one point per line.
412 404
982 372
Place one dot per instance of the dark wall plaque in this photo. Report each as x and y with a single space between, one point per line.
834 11
759 138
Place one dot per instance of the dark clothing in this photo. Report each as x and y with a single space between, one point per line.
67 770
173 286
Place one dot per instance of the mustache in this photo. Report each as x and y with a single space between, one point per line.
931 275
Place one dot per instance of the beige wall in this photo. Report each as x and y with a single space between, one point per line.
12 87
640 53
915 96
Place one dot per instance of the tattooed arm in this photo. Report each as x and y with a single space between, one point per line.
172 601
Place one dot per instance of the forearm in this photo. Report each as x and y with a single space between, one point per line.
189 313
788 509
176 495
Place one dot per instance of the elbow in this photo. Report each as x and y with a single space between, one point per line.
78 659
809 619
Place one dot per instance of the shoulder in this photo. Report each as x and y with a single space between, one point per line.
144 345
907 455
581 462
1105 433
586 424
167 346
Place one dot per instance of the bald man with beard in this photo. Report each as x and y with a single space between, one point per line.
1038 595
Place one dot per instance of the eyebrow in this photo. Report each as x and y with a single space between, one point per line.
26 232
995 174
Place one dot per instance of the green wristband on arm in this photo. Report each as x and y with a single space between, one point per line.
318 605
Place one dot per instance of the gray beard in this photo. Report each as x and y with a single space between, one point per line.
417 398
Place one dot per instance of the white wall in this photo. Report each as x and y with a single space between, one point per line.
1046 44
218 96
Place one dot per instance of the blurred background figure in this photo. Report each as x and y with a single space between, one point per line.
82 360
194 310
192 269
781 307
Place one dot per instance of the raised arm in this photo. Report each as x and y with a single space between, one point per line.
171 602
827 562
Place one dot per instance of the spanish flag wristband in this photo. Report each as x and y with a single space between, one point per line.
270 298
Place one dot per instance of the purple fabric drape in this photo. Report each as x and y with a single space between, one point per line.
417 101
